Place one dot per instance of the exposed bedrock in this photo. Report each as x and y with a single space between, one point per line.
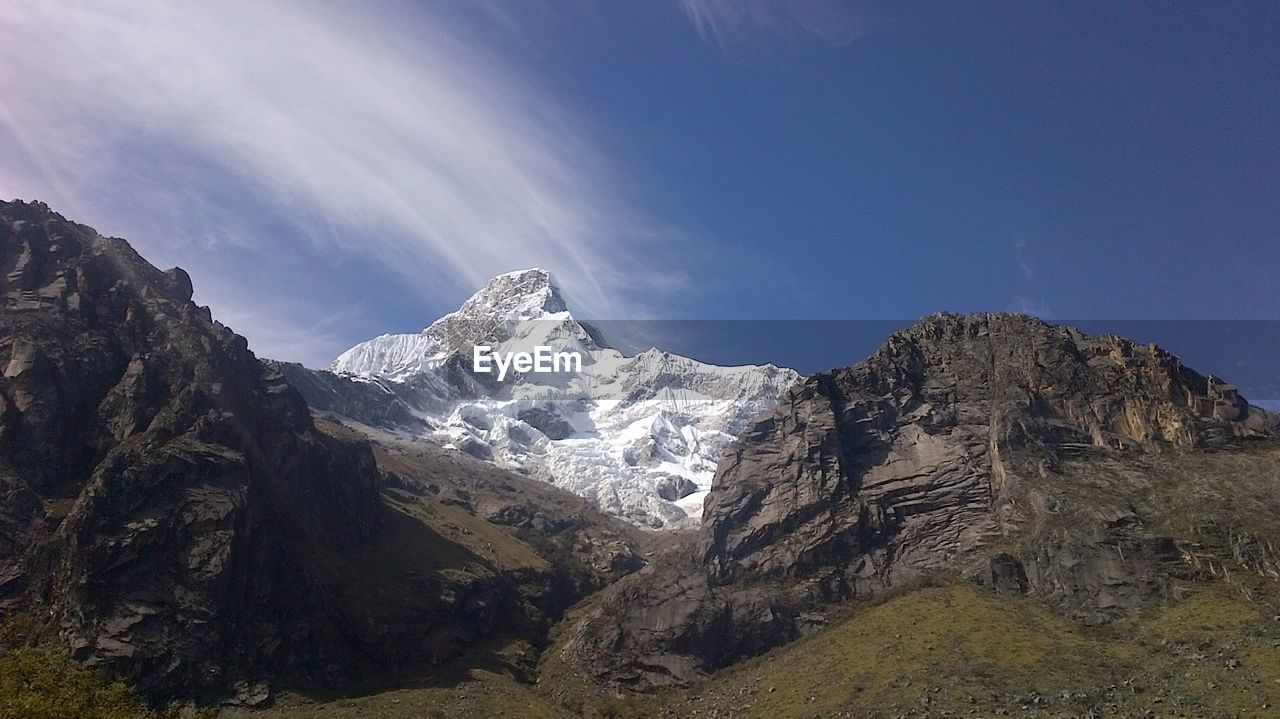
965 445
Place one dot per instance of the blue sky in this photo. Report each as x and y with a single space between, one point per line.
333 171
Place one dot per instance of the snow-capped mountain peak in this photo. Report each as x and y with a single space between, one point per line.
524 302
639 435
512 297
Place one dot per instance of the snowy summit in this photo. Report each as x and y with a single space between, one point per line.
639 435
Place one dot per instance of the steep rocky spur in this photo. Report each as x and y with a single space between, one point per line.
173 515
155 473
966 445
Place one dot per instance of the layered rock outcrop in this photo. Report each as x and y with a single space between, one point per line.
173 515
948 450
156 473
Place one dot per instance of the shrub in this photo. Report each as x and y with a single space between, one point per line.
43 683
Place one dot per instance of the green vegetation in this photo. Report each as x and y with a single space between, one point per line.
41 683
934 651
940 648
481 694
952 650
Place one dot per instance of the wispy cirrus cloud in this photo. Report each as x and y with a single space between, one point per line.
317 140
1029 306
828 21
1020 258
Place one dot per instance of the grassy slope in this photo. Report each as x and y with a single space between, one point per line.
956 650
482 694
947 650
951 650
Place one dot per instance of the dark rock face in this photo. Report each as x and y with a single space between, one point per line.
173 514
924 458
546 421
156 474
364 400
675 487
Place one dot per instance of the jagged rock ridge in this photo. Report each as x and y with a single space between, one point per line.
951 449
155 473
174 516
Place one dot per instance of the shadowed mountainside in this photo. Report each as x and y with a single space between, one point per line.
172 515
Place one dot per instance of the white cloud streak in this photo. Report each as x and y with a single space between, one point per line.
374 133
1029 306
833 22
1019 256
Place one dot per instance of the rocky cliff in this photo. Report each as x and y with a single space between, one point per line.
172 514
991 447
155 474
365 400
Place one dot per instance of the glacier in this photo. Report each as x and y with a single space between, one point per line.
639 435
